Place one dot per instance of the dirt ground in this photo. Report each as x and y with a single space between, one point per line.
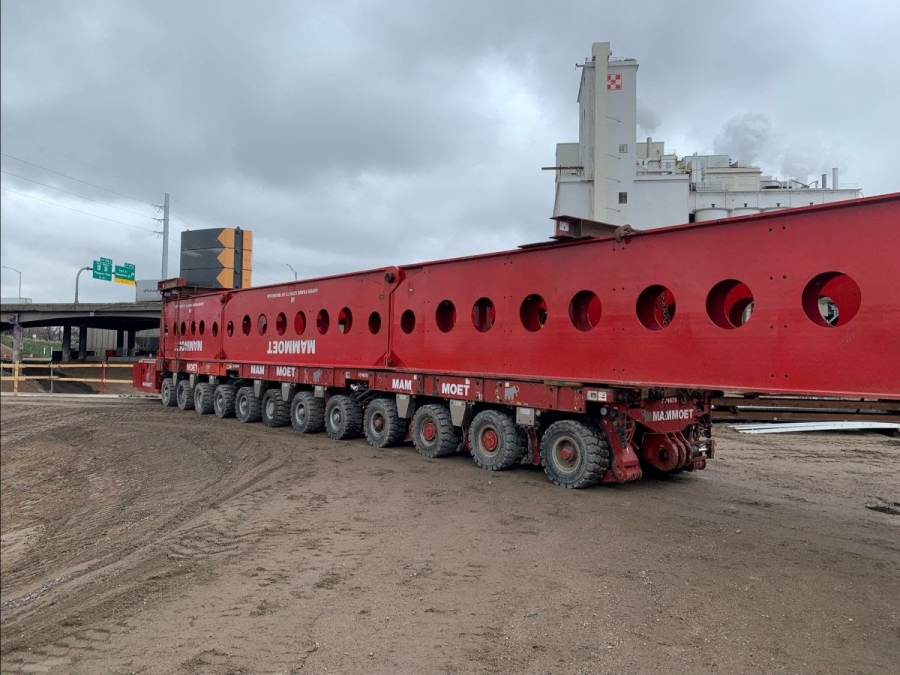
142 539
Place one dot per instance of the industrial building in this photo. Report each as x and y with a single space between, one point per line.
608 176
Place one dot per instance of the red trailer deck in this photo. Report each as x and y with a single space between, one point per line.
594 358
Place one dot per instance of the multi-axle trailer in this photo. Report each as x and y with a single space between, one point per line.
595 358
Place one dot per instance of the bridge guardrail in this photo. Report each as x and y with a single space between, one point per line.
103 380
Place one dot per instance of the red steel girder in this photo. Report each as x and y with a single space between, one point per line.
663 308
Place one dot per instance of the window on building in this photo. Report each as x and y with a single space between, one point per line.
623 197
623 148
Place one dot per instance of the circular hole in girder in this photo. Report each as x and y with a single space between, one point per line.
831 299
584 310
374 323
202 327
533 312
445 316
182 328
483 315
408 321
193 327
215 329
230 328
299 323
345 320
262 324
655 307
729 304
322 322
245 324
280 323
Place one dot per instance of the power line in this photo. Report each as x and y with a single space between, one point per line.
77 180
175 215
94 215
175 199
63 154
97 201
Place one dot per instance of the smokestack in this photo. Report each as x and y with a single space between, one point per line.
824 181
834 178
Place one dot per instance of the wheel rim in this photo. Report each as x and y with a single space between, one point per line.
300 414
243 405
378 423
490 441
566 455
429 431
336 418
217 402
270 408
180 396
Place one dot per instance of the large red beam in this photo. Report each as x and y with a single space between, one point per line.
662 308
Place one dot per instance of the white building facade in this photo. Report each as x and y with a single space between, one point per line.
609 177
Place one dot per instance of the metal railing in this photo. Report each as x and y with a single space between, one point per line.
17 374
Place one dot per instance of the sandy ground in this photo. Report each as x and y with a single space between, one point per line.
142 539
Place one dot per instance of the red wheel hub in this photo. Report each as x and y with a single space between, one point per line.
378 422
490 440
429 431
567 453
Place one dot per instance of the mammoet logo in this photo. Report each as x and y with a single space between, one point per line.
190 345
291 347
285 371
509 393
668 415
402 385
257 370
454 389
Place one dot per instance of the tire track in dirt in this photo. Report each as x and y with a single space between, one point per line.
223 547
196 524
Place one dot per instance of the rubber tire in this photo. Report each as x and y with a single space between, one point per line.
313 420
167 393
593 453
447 437
343 418
185 395
203 398
394 429
252 411
512 442
223 400
275 410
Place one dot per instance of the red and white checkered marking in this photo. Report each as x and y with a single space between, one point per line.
614 82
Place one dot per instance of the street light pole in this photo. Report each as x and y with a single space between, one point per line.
20 279
77 277
292 270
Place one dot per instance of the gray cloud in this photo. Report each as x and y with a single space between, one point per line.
355 134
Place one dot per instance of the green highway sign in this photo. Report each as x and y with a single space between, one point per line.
125 274
122 274
103 269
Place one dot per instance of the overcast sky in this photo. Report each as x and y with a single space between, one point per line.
349 135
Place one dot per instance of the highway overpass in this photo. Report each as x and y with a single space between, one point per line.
126 318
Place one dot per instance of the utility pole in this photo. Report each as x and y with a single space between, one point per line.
165 256
292 270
